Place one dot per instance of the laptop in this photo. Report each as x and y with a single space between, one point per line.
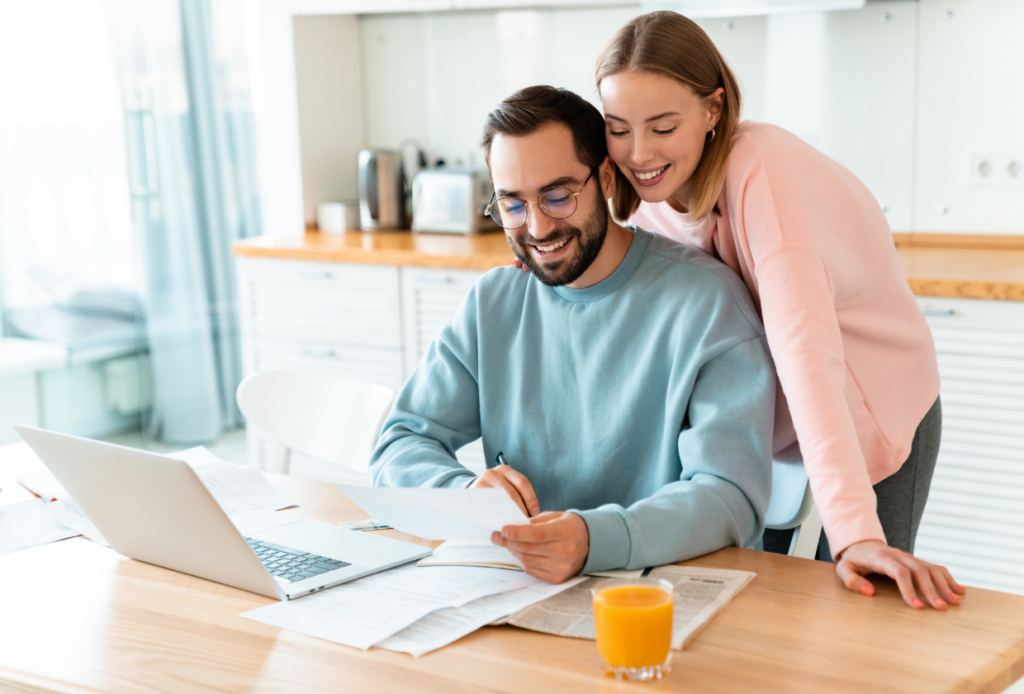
155 509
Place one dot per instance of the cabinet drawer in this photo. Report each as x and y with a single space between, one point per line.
324 303
382 366
429 299
974 520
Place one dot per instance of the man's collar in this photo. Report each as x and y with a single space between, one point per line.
635 254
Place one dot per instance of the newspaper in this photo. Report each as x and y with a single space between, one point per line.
700 594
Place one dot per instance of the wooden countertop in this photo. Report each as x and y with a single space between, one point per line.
481 252
960 266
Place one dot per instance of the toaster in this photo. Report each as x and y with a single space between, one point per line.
452 201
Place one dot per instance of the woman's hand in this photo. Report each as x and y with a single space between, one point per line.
516 262
911 574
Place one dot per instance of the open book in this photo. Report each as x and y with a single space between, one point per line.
483 553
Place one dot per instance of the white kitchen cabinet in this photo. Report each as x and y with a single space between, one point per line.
315 7
430 297
503 4
370 322
302 314
974 521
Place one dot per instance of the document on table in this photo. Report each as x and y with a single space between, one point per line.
43 484
700 594
439 514
450 624
367 611
66 512
240 489
27 524
237 488
483 553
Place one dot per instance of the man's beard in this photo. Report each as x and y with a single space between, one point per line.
589 240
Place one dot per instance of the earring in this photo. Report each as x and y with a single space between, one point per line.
710 139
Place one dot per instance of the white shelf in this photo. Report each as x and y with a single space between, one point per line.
20 357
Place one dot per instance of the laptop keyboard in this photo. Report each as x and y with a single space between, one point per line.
290 565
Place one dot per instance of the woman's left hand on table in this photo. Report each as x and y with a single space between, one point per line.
911 574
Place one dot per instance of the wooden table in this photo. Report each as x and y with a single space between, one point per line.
76 617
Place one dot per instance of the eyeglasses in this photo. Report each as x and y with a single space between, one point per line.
557 203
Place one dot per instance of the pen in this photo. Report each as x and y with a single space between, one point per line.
500 460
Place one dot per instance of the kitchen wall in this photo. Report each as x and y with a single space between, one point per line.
913 96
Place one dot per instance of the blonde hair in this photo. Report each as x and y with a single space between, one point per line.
667 43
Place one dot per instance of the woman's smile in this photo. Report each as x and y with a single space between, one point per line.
649 177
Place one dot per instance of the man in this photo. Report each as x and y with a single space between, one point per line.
626 378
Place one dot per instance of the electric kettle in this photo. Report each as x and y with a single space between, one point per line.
381 190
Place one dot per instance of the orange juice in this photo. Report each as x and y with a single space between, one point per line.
634 623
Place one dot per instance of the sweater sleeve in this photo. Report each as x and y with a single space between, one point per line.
436 413
798 308
722 493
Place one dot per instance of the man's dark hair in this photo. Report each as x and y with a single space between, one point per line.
529 109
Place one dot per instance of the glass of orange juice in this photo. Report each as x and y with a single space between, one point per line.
634 627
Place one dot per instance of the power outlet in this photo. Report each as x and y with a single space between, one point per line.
996 169
1011 169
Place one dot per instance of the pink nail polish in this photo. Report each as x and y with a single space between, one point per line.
940 603
918 603
866 589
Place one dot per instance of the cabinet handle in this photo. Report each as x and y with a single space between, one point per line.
317 275
945 312
319 353
433 279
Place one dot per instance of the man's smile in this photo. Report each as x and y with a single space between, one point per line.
552 250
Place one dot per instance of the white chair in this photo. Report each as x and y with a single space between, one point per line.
792 505
317 413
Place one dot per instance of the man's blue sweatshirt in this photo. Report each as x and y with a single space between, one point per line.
644 403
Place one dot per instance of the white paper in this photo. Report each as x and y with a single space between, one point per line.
444 626
618 573
440 514
240 489
67 512
699 594
259 521
365 524
27 525
469 552
43 484
195 456
368 610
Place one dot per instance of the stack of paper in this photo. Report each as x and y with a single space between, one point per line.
382 606
445 626
27 525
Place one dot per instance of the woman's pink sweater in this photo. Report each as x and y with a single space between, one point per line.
854 355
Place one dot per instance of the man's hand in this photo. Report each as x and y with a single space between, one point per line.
910 573
553 547
514 483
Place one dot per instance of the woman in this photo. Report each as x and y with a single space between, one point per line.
854 355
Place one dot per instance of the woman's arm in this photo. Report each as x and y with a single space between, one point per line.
798 307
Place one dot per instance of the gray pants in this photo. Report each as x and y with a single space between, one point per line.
901 496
